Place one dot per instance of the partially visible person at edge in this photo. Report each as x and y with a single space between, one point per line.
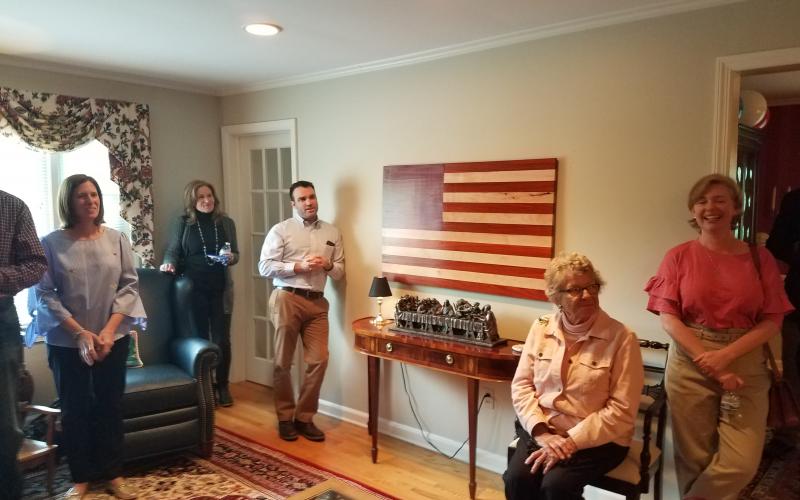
299 254
720 310
198 249
784 243
576 390
85 305
22 263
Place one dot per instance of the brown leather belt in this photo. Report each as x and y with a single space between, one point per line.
303 292
717 334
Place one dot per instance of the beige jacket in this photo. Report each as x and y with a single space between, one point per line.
597 402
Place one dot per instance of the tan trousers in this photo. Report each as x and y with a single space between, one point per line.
295 316
716 456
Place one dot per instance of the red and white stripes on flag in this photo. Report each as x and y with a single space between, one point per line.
485 227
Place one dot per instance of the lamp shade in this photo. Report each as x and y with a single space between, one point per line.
380 288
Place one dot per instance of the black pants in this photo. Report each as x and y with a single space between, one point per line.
10 433
91 410
791 351
209 314
566 480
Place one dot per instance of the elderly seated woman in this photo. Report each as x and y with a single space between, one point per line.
576 389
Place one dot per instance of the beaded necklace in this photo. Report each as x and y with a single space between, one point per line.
203 242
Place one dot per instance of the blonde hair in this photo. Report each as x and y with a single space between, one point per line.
705 183
190 201
564 263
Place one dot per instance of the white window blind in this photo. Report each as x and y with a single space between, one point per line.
35 177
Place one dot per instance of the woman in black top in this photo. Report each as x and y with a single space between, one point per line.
202 247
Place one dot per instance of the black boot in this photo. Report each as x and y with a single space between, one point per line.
224 397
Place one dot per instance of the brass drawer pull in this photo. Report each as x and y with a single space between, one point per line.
449 359
389 347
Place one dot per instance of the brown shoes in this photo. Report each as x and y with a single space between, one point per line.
309 431
287 430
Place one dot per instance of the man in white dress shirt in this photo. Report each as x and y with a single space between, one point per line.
299 254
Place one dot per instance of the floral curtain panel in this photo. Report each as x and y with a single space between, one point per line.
62 123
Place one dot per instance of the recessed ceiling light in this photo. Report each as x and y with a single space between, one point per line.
263 29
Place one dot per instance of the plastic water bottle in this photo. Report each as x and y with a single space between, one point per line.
729 405
224 254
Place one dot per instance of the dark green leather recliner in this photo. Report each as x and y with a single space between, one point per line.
168 404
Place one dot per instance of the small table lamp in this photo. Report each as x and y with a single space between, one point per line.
380 289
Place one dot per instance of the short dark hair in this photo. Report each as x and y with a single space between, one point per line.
70 184
300 184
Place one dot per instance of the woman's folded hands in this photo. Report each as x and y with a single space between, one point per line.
87 347
94 348
553 449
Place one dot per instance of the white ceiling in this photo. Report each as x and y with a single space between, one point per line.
199 45
778 88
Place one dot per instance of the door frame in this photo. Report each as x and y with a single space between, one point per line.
236 207
727 86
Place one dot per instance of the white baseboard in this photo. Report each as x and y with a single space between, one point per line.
484 459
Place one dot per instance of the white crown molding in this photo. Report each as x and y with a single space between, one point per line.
573 26
67 69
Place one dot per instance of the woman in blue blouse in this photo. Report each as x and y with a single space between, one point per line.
86 304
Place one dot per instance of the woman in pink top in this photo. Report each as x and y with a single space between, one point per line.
576 389
720 303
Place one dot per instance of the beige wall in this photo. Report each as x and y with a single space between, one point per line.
627 110
185 143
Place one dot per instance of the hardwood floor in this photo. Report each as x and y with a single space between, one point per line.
403 470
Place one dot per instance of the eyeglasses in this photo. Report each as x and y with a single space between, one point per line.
577 291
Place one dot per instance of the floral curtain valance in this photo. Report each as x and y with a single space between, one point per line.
62 123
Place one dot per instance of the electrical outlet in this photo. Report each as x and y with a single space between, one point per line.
488 401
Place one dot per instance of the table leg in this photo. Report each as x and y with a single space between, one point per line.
374 379
472 418
369 394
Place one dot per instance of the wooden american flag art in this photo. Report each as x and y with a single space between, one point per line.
485 227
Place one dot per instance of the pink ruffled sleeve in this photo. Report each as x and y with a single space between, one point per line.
663 289
775 299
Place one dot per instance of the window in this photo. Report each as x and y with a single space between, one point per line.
35 176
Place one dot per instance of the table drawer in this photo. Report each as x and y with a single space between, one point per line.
365 344
457 363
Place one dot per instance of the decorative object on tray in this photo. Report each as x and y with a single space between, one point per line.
380 289
461 322
485 227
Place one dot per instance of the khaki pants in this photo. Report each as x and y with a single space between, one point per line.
716 456
295 316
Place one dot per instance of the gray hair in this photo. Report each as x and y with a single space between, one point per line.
564 263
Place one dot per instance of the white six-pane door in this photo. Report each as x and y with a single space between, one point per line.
266 174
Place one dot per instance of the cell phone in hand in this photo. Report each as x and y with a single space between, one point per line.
219 259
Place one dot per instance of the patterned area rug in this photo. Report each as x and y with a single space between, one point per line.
237 470
778 478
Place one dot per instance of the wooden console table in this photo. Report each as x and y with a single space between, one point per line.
475 363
